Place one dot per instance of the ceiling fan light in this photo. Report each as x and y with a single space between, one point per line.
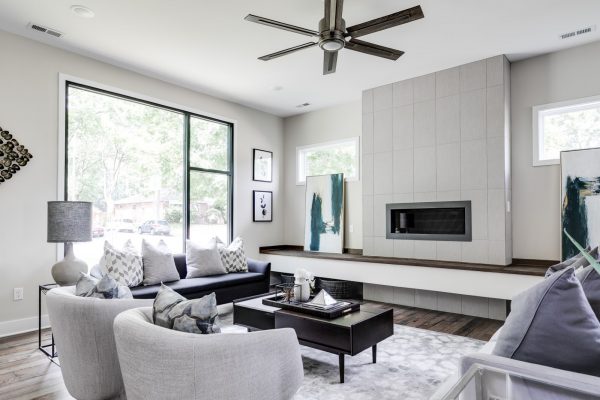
332 45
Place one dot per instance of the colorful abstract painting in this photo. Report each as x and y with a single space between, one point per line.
324 225
580 195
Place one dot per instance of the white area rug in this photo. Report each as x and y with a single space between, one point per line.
411 364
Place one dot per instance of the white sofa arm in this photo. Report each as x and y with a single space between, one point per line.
495 377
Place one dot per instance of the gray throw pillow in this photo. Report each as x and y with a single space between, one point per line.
553 324
104 288
577 261
159 264
233 256
173 311
203 260
590 282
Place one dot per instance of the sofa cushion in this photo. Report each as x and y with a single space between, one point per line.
577 261
173 311
103 288
553 324
233 256
193 285
159 264
590 282
203 259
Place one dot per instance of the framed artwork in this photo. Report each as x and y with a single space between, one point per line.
580 199
263 206
324 222
262 166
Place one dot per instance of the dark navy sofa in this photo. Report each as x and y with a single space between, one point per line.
227 287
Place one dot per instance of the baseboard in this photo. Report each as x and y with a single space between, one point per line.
17 326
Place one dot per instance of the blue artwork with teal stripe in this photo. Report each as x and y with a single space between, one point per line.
324 213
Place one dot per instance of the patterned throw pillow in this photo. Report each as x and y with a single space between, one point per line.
233 256
123 265
172 310
104 288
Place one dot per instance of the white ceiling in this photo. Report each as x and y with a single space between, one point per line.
207 46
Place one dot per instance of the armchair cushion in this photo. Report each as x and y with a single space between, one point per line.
553 324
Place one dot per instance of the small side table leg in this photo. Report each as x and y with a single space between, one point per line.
39 317
341 368
374 354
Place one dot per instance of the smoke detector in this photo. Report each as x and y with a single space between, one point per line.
83 11
46 30
578 32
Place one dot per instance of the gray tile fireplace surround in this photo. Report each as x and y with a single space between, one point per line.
447 302
444 136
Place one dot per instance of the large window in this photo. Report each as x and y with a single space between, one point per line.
328 158
152 172
570 125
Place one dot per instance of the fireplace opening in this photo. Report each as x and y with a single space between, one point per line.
447 220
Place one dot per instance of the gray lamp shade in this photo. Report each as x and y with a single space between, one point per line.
69 221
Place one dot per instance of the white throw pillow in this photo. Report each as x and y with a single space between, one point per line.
233 256
123 265
203 259
159 264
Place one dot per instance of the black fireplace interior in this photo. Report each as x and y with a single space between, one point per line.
429 221
435 221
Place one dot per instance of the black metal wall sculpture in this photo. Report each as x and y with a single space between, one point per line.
13 156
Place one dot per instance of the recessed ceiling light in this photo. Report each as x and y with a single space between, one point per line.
83 11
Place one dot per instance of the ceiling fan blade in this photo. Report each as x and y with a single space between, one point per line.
281 25
373 49
333 14
286 51
386 22
330 62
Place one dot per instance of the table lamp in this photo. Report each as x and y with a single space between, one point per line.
69 222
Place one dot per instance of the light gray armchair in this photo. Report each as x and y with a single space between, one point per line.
83 331
161 364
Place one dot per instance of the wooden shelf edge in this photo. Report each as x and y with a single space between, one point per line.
518 267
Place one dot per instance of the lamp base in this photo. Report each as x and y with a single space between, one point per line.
68 271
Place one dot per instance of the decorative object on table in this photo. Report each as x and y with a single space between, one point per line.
304 281
324 223
13 156
580 189
263 166
323 300
288 292
69 222
262 202
280 300
340 289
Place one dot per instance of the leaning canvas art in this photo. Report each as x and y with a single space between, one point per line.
580 196
324 224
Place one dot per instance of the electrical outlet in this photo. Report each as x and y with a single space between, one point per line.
18 293
351 228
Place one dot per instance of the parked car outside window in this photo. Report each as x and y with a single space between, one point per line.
155 227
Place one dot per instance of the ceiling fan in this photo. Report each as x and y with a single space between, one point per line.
332 34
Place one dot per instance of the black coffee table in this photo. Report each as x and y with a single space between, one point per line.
349 334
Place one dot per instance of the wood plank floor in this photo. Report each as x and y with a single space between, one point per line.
26 373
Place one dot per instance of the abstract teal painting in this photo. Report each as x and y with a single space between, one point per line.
324 225
580 196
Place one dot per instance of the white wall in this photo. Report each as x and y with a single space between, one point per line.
320 126
29 109
564 75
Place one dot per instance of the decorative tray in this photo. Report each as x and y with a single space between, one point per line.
331 312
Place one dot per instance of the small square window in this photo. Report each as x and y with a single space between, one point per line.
569 125
328 158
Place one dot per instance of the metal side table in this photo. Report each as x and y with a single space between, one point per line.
52 354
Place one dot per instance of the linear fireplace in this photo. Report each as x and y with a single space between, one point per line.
442 220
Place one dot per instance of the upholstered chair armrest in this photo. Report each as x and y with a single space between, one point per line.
159 363
262 267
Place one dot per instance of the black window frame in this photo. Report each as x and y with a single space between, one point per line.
187 168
